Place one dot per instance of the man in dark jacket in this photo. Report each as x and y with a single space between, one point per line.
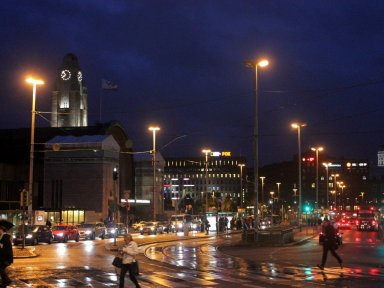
329 243
6 256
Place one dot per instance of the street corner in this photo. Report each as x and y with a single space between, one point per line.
26 252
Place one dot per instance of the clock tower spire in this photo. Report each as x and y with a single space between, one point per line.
69 96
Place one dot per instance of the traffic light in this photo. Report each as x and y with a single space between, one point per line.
115 173
307 208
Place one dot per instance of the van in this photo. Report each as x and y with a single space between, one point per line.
177 222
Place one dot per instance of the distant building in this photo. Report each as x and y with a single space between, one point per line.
14 163
186 184
144 185
79 179
347 178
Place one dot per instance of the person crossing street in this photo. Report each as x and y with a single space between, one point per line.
329 244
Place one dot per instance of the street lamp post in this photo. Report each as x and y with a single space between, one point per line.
326 165
241 185
206 152
34 83
317 149
154 129
342 186
272 200
278 199
255 65
298 126
262 195
334 176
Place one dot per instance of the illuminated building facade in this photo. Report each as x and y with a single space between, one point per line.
185 182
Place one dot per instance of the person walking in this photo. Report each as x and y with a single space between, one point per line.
206 225
329 243
130 250
6 256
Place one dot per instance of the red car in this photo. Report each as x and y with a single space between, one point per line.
344 224
65 232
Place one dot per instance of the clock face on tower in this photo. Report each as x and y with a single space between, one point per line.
65 75
79 76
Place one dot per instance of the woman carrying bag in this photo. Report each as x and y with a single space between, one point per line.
130 250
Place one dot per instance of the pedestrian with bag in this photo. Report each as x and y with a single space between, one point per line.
329 244
129 251
6 256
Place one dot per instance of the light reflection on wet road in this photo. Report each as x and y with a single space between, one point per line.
285 269
198 263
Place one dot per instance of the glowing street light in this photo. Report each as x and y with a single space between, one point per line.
34 83
317 149
298 126
154 129
255 65
206 152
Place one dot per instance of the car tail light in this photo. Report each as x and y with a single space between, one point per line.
373 222
357 222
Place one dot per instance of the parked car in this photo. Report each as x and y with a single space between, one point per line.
136 226
196 225
151 228
177 222
91 230
65 232
118 229
165 226
33 235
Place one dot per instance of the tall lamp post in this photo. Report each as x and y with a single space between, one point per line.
298 126
326 165
241 185
278 199
334 176
154 129
206 152
34 83
317 149
262 195
272 200
255 65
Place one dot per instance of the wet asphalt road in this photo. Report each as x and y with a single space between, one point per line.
199 263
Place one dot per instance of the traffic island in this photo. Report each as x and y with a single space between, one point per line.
276 236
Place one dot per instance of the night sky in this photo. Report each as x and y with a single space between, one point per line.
179 64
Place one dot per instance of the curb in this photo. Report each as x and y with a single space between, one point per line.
20 253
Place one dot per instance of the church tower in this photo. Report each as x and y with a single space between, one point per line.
69 96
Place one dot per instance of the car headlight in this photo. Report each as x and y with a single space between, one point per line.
152 228
88 232
28 236
113 231
60 234
141 228
180 225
